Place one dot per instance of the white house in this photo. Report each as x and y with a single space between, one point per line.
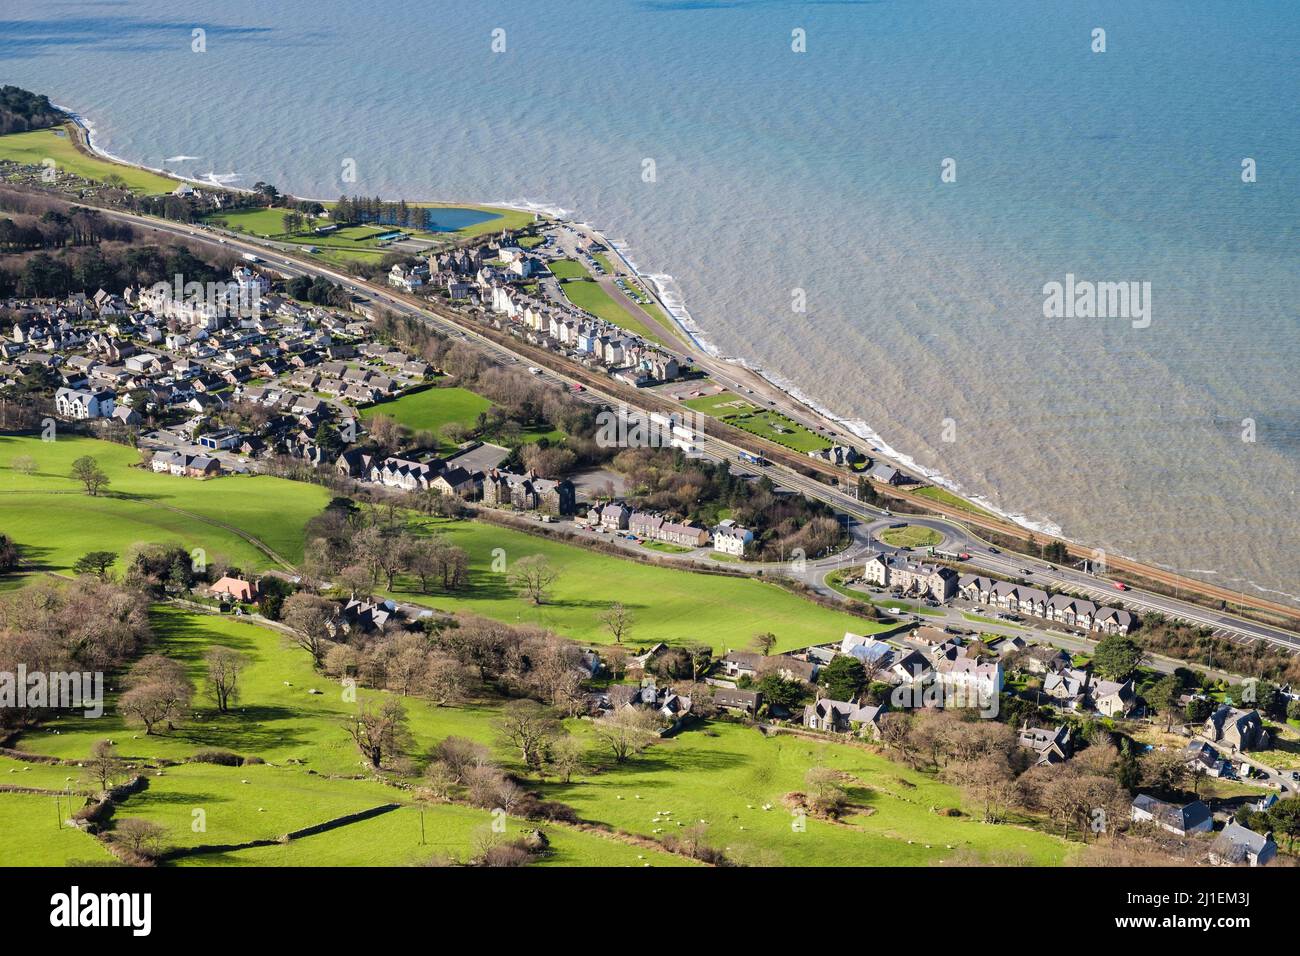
731 538
79 404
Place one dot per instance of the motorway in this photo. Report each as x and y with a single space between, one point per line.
957 536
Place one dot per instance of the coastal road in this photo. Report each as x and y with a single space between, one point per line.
956 535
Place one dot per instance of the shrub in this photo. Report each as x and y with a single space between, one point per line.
223 758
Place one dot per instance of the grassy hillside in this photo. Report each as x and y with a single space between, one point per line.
718 772
668 604
49 515
307 779
729 774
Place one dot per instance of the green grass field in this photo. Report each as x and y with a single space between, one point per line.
744 414
57 144
33 836
946 497
432 408
726 775
278 718
722 773
305 782
668 604
452 831
569 269
912 536
55 522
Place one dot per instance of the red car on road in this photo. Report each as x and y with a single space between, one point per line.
1120 586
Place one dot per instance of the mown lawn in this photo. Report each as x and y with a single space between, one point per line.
57 144
912 536
667 604
946 497
432 408
765 423
55 522
569 269
588 295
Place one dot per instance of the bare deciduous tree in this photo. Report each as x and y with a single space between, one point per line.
159 692
309 616
528 727
104 764
626 732
618 621
379 730
531 577
224 667
87 471
144 838
566 756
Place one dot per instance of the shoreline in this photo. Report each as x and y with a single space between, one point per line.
673 304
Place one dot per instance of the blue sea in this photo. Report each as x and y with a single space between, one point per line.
776 171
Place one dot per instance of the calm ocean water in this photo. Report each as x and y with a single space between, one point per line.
820 171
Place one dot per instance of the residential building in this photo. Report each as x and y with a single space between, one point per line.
830 715
1050 745
235 588
921 580
746 701
1067 687
731 538
1113 698
528 492
1182 820
1238 846
655 527
968 678
80 404
1204 759
1238 729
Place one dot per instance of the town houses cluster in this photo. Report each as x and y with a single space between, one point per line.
461 476
500 277
940 583
181 356
727 537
